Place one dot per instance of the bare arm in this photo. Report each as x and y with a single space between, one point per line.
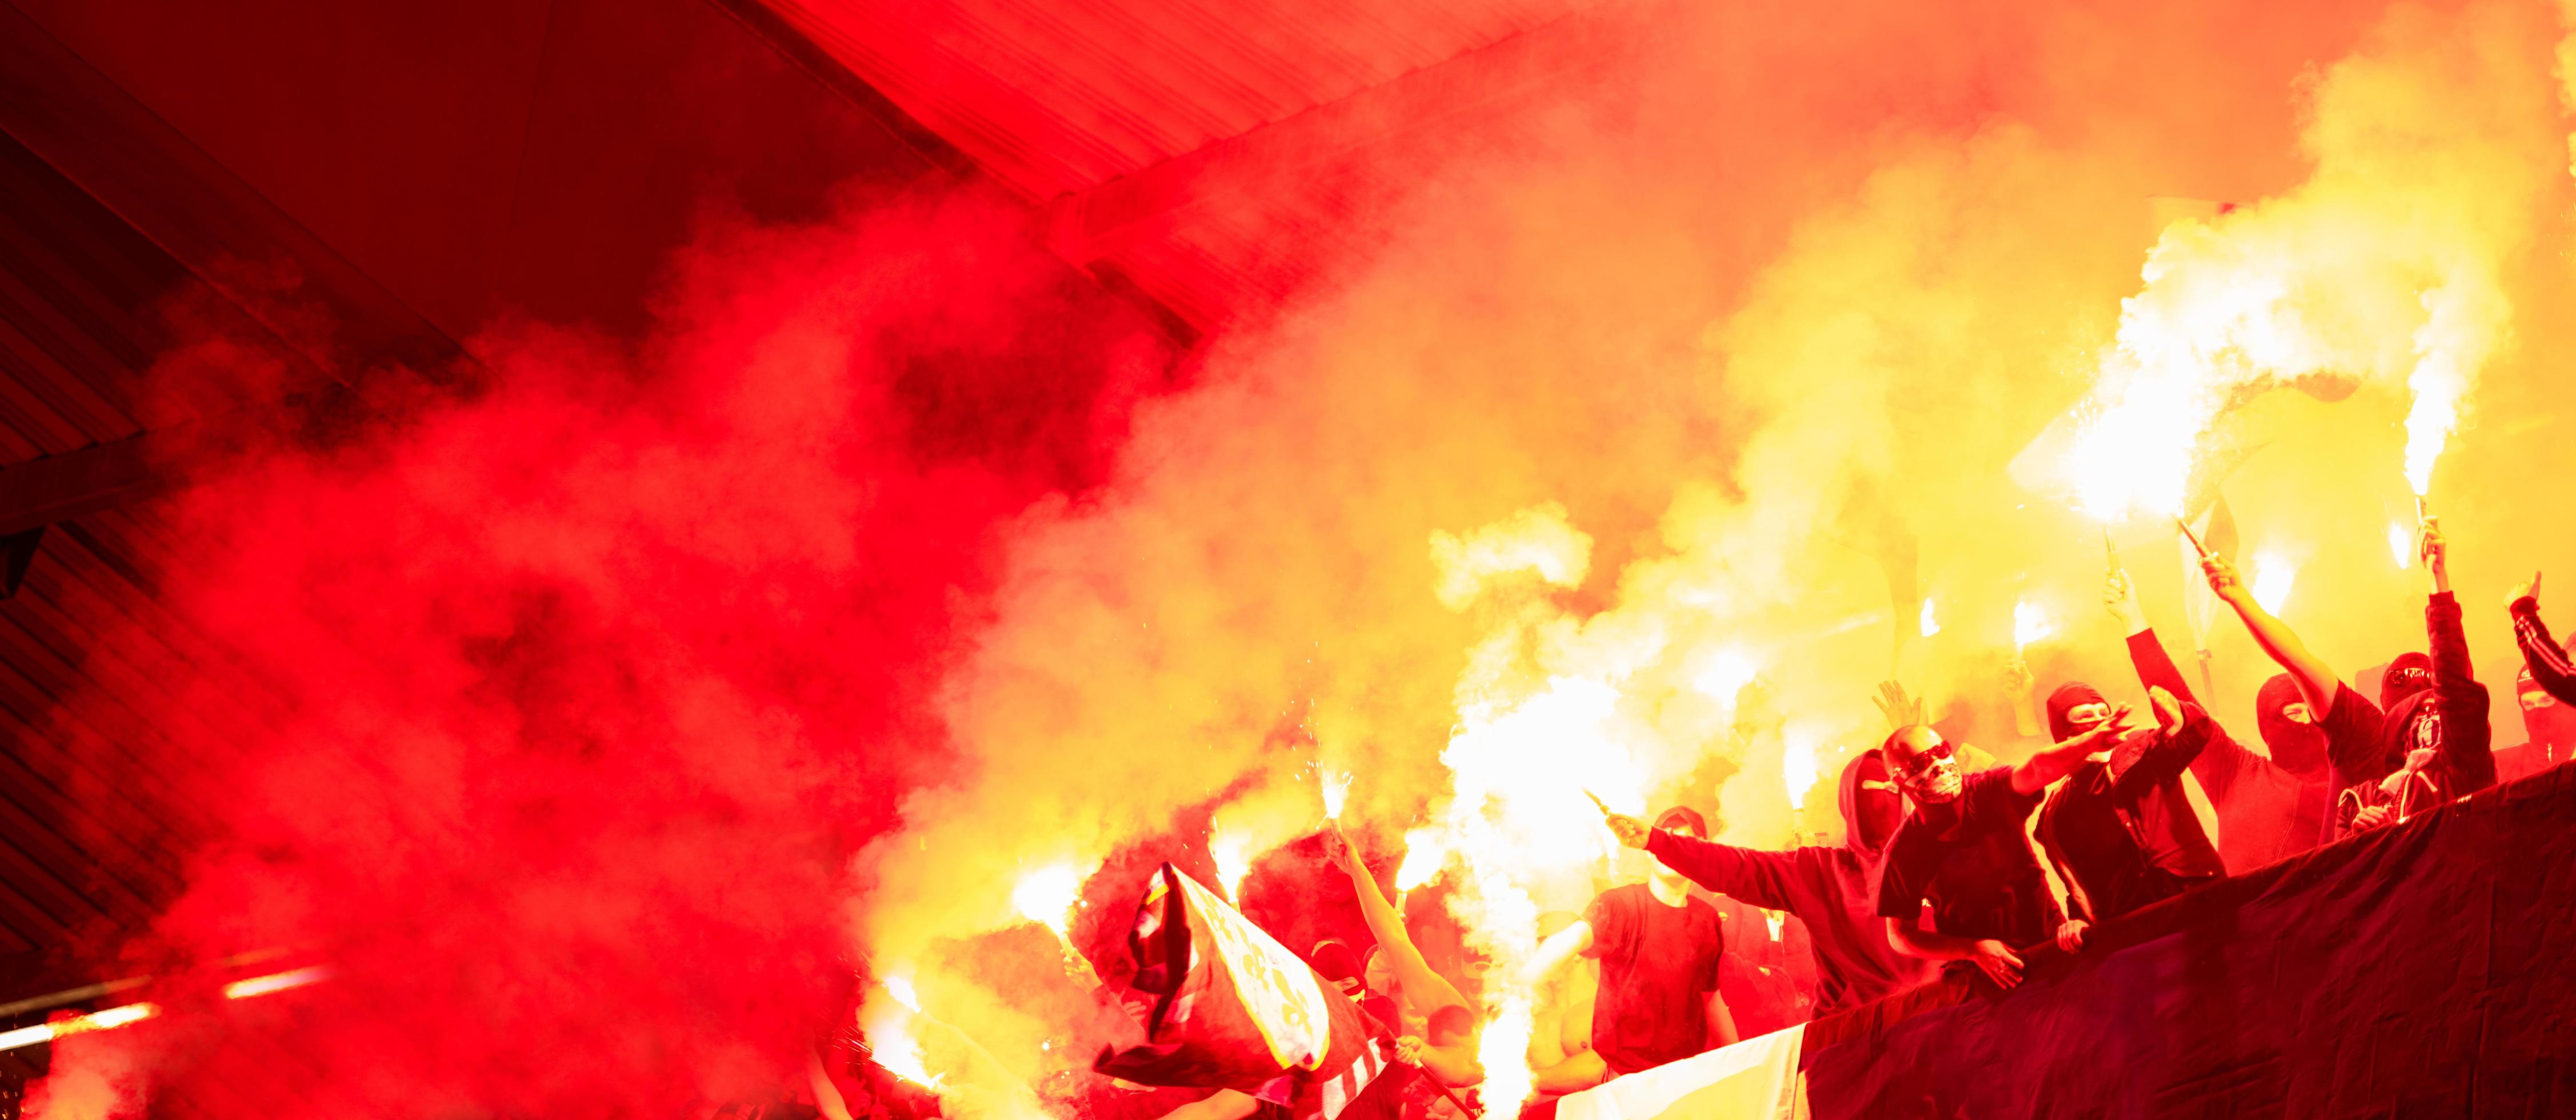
1721 1023
1226 1104
2036 772
2316 679
1552 954
1414 979
1994 958
2020 687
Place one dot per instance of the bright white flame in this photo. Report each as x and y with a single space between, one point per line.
2273 575
1798 763
1424 856
1927 625
1504 1051
1046 895
1538 540
2401 544
900 987
109 1019
275 982
1725 673
2030 624
1233 854
890 1042
1337 787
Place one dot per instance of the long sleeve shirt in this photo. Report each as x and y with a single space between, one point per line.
2266 811
2550 666
1828 888
2122 833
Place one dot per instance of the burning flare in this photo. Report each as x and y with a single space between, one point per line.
2030 624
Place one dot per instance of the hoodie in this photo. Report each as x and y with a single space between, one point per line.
2269 809
2120 829
1829 887
2450 716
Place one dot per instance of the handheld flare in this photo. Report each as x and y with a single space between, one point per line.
2194 538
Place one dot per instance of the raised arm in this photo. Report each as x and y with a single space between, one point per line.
2036 772
2156 668
1419 985
2550 667
2468 739
2182 730
2316 679
1759 877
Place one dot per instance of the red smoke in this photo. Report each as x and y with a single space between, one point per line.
568 694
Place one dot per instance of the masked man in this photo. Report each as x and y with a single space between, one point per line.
2546 688
2269 807
1962 852
1828 887
2120 830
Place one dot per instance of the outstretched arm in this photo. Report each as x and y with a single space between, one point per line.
1419 985
1570 942
2468 739
2316 679
2034 773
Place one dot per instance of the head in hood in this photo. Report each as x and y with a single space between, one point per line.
2415 723
1924 763
2074 709
2411 673
1873 804
2290 731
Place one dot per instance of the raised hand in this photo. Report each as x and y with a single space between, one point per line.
2437 555
2018 681
2109 728
2168 709
2223 581
2120 597
2530 590
1630 831
1900 709
1337 848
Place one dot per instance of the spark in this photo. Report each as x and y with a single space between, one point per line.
1337 787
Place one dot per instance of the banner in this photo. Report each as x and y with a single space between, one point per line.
1225 1005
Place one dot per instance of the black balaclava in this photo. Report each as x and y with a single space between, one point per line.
1870 816
2406 724
2551 723
2067 698
2296 747
2409 674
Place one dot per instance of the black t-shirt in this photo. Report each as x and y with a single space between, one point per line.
1970 860
1658 964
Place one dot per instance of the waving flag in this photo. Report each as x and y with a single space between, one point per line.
1225 1005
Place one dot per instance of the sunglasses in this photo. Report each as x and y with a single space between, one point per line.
1924 759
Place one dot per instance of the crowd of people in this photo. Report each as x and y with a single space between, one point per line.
1948 860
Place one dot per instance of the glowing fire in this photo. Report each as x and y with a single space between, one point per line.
1233 854
2401 544
1798 763
275 982
1047 895
1927 625
2273 575
900 987
890 1043
1724 673
2030 624
1424 856
1336 787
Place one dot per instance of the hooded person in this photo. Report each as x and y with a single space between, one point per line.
2269 806
2121 830
2545 687
2435 743
2347 724
1827 886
